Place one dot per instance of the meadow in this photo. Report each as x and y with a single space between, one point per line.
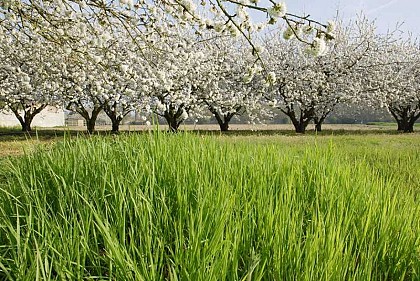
189 206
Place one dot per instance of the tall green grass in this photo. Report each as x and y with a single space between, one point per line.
182 207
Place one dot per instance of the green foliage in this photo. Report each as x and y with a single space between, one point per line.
185 207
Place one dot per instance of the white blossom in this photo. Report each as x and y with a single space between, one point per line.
278 10
330 26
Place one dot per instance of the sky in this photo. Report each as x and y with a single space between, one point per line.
387 13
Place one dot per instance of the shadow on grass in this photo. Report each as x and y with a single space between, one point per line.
51 134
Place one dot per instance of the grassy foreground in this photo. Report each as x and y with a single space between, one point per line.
184 207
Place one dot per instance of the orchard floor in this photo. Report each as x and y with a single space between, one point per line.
250 127
13 142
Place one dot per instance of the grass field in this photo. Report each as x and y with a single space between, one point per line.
211 207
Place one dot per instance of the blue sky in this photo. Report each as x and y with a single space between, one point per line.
388 13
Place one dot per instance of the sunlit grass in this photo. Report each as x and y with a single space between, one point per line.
187 207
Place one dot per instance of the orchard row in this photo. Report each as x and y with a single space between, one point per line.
179 68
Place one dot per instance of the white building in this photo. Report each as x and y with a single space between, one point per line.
49 117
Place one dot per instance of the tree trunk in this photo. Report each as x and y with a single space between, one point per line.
173 125
115 121
172 121
300 127
224 127
90 124
91 121
115 125
301 122
400 125
318 126
223 121
409 128
111 112
172 117
406 126
28 117
28 121
404 118
318 121
26 127
403 124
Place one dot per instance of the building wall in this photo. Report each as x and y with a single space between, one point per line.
49 117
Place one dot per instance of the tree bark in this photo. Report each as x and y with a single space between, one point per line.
172 121
21 121
299 124
318 126
115 125
223 121
405 118
300 127
111 111
90 125
322 115
28 117
172 117
26 127
91 120
405 126
115 121
173 124
318 123
224 127
409 128
400 125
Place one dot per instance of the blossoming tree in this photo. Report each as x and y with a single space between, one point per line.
82 87
53 19
308 88
122 69
295 92
28 75
390 79
232 87
353 44
174 78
